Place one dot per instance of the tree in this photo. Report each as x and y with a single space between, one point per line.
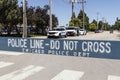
9 14
107 26
75 22
20 16
73 15
95 22
42 19
100 24
38 19
31 16
117 24
54 20
86 19
104 25
92 27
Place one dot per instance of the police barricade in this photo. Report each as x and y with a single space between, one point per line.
66 47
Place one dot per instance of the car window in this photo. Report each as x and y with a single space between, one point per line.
70 28
58 29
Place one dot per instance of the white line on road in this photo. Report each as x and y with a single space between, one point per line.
22 73
112 77
11 53
69 75
4 64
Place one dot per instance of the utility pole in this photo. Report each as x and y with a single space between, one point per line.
72 1
24 20
97 19
103 23
83 2
72 9
50 14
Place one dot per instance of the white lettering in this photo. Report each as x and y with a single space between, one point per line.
90 46
83 46
54 44
96 47
102 48
17 43
108 48
70 45
37 44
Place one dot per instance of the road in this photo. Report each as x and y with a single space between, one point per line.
99 36
94 36
24 66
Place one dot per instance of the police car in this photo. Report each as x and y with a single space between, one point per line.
58 32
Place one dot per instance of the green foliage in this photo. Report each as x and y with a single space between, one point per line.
117 25
75 22
54 20
95 22
103 25
39 17
106 26
86 19
11 15
92 27
8 14
73 15
42 18
31 16
100 24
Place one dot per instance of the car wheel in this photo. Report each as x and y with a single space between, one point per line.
65 36
75 35
60 36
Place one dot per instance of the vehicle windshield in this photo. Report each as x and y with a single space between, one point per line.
70 28
58 29
81 30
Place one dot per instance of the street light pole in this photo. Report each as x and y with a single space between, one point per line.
97 19
24 20
50 14
103 23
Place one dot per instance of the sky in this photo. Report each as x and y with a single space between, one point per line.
107 10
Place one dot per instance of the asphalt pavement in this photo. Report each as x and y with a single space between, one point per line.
27 66
105 35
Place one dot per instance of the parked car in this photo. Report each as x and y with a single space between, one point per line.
72 31
97 31
57 32
82 32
